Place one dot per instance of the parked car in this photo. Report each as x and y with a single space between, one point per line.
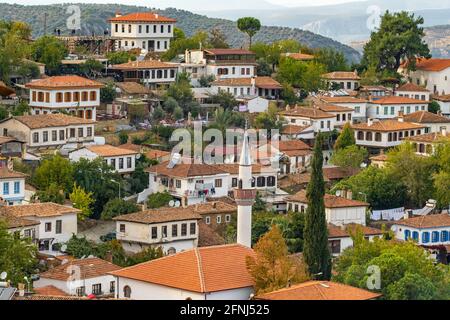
109 237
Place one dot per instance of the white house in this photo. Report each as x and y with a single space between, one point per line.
151 73
22 227
122 160
343 114
391 107
338 210
48 131
257 86
81 277
358 105
384 134
12 186
426 144
433 122
210 273
340 237
425 230
70 94
148 31
172 229
320 120
57 222
253 104
295 132
342 79
444 103
413 91
191 183
433 74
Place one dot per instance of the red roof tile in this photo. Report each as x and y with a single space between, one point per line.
64 82
411 87
142 17
430 221
330 201
397 100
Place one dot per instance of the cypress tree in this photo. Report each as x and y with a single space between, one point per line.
316 252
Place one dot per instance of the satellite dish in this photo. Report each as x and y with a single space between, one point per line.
172 203
3 275
177 204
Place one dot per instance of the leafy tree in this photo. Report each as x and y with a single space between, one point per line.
82 200
260 205
350 157
170 104
217 39
399 38
3 113
50 51
178 34
250 26
119 57
300 74
316 252
434 107
205 81
268 119
28 70
138 180
346 138
272 268
56 171
263 69
158 200
17 256
288 94
225 99
52 193
108 93
178 113
332 60
21 109
181 92
92 68
179 46
412 287
442 186
151 253
116 207
158 114
123 137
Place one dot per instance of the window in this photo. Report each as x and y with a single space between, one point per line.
129 162
218 183
6 188
120 163
89 132
45 136
54 135
271 181
129 28
184 230
338 117
164 231
34 95
112 287
335 246
208 220
169 28
84 96
435 237
175 230
48 227
154 29
140 29
162 28
93 95
322 125
16 187
113 163
127 292
58 226
122 228
147 29
81 291
67 97
47 97
415 236
407 235
61 134
59 97
261 182
123 28
425 237
178 184
80 132
193 228
357 109
117 27
72 132
219 219
228 218
444 236
154 232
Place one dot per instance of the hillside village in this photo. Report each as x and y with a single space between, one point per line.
335 167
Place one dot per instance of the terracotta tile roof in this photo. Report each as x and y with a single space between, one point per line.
214 207
37 297
261 82
387 125
9 174
429 137
300 56
63 82
432 64
411 87
337 173
132 88
443 98
89 268
4 140
381 157
160 215
39 210
207 237
330 200
334 108
13 222
184 170
233 168
346 231
155 154
341 75
320 290
204 270
425 117
306 112
50 291
430 221
142 17
293 129
397 100
229 51
131 146
342 100
51 120
146 64
110 151
5 90
291 145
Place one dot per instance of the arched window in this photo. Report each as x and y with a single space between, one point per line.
369 136
407 235
444 236
261 182
127 292
435 237
378 136
425 237
360 135
271 181
415 236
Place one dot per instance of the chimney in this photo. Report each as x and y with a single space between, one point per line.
253 86
288 108
439 113
370 122
350 195
109 257
118 14
444 131
214 205
401 116
156 16
21 289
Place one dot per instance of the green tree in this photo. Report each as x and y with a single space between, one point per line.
412 287
263 68
108 93
272 268
250 26
205 81
119 57
123 137
332 60
178 113
180 45
92 68
117 207
316 252
52 193
268 119
288 94
81 200
170 104
3 113
158 200
181 92
178 34
21 109
225 99
346 138
350 157
50 51
399 38
434 107
158 114
56 171
218 39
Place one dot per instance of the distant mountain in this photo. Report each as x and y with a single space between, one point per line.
94 21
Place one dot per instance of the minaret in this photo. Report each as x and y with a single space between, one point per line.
245 195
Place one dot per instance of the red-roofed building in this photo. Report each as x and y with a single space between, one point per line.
342 79
148 31
392 106
413 91
433 74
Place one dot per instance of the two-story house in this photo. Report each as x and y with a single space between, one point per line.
12 186
265 87
48 131
10 148
172 229
413 91
122 160
340 237
148 31
433 74
70 94
358 105
21 227
343 114
320 120
426 144
433 122
342 79
391 107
